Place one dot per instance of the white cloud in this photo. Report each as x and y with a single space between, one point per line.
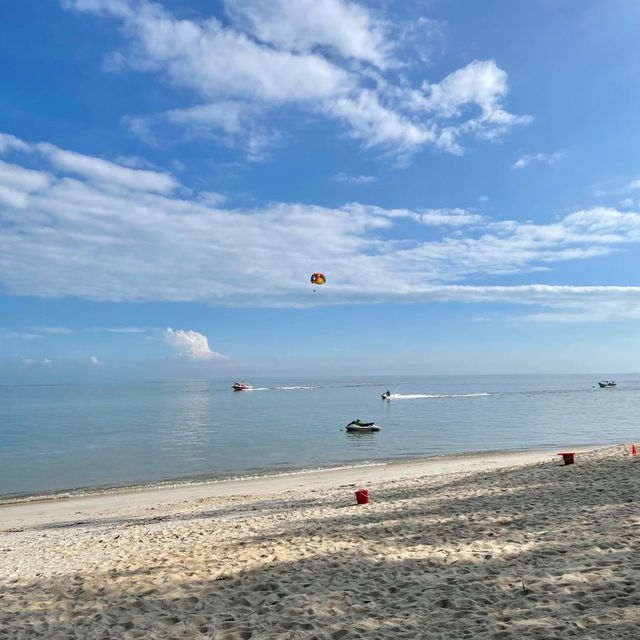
633 185
54 330
347 28
22 179
12 197
109 172
233 123
135 162
353 179
230 116
547 158
117 329
379 125
482 85
94 360
10 334
428 217
334 59
627 202
448 217
211 198
8 141
102 241
191 345
31 362
216 60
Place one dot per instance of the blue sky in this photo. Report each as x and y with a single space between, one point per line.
465 174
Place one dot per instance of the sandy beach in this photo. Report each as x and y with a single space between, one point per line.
505 545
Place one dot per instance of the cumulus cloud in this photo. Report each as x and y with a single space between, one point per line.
335 59
78 238
547 158
481 86
481 83
191 345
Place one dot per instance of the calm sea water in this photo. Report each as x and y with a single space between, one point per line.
61 437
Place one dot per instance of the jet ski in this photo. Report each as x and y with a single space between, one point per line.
355 426
386 395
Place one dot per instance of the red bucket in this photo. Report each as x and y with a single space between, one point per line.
568 458
362 496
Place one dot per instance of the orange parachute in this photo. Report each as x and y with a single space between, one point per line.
318 278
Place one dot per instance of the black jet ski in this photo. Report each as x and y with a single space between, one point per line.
357 426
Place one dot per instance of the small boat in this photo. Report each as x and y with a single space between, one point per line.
355 426
386 395
606 383
241 386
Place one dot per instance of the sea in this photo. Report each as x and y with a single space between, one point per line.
77 438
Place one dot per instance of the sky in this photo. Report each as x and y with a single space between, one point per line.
466 175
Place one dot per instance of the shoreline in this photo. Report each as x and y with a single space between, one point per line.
206 479
132 501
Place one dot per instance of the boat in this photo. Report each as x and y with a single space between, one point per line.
241 386
355 426
386 395
606 383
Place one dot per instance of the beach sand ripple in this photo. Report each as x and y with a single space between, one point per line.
537 551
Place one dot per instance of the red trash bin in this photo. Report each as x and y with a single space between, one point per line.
568 457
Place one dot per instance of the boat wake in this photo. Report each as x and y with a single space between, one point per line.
295 388
414 396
